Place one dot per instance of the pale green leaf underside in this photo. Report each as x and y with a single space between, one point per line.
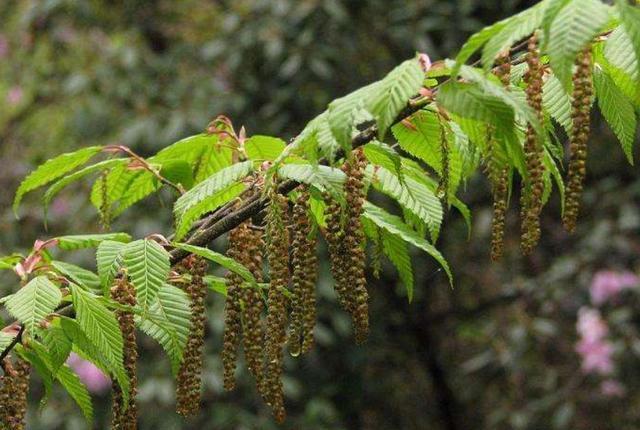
34 302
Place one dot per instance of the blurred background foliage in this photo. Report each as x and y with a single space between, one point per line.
497 351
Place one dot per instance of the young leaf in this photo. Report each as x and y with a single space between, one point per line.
72 243
168 321
264 148
148 267
413 196
394 225
394 93
211 203
77 274
109 259
52 170
573 28
396 250
76 176
617 110
34 302
211 186
100 326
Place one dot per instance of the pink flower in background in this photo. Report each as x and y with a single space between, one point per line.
4 46
89 374
608 284
595 350
15 95
612 388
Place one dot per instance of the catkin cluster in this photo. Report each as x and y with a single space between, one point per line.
125 415
345 238
498 173
14 386
243 308
189 380
303 278
533 186
279 276
580 114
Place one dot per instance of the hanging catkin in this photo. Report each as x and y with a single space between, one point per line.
445 156
233 310
125 416
14 386
498 173
581 116
189 380
533 186
303 279
278 258
345 239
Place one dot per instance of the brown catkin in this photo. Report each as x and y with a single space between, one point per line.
499 174
105 207
303 278
445 156
345 239
189 380
354 243
533 186
125 416
581 116
14 386
279 276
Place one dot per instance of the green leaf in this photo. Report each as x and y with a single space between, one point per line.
85 348
321 177
413 196
54 189
469 101
396 250
216 284
148 267
264 148
178 172
168 321
556 102
617 110
226 262
52 170
343 113
475 42
77 390
109 260
100 326
79 275
621 63
71 243
630 17
211 186
207 205
394 225
394 93
517 28
573 28
383 155
34 302
58 345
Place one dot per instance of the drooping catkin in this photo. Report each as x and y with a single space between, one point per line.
443 185
345 239
125 416
581 116
498 173
105 207
189 380
303 279
533 186
277 238
14 386
233 310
